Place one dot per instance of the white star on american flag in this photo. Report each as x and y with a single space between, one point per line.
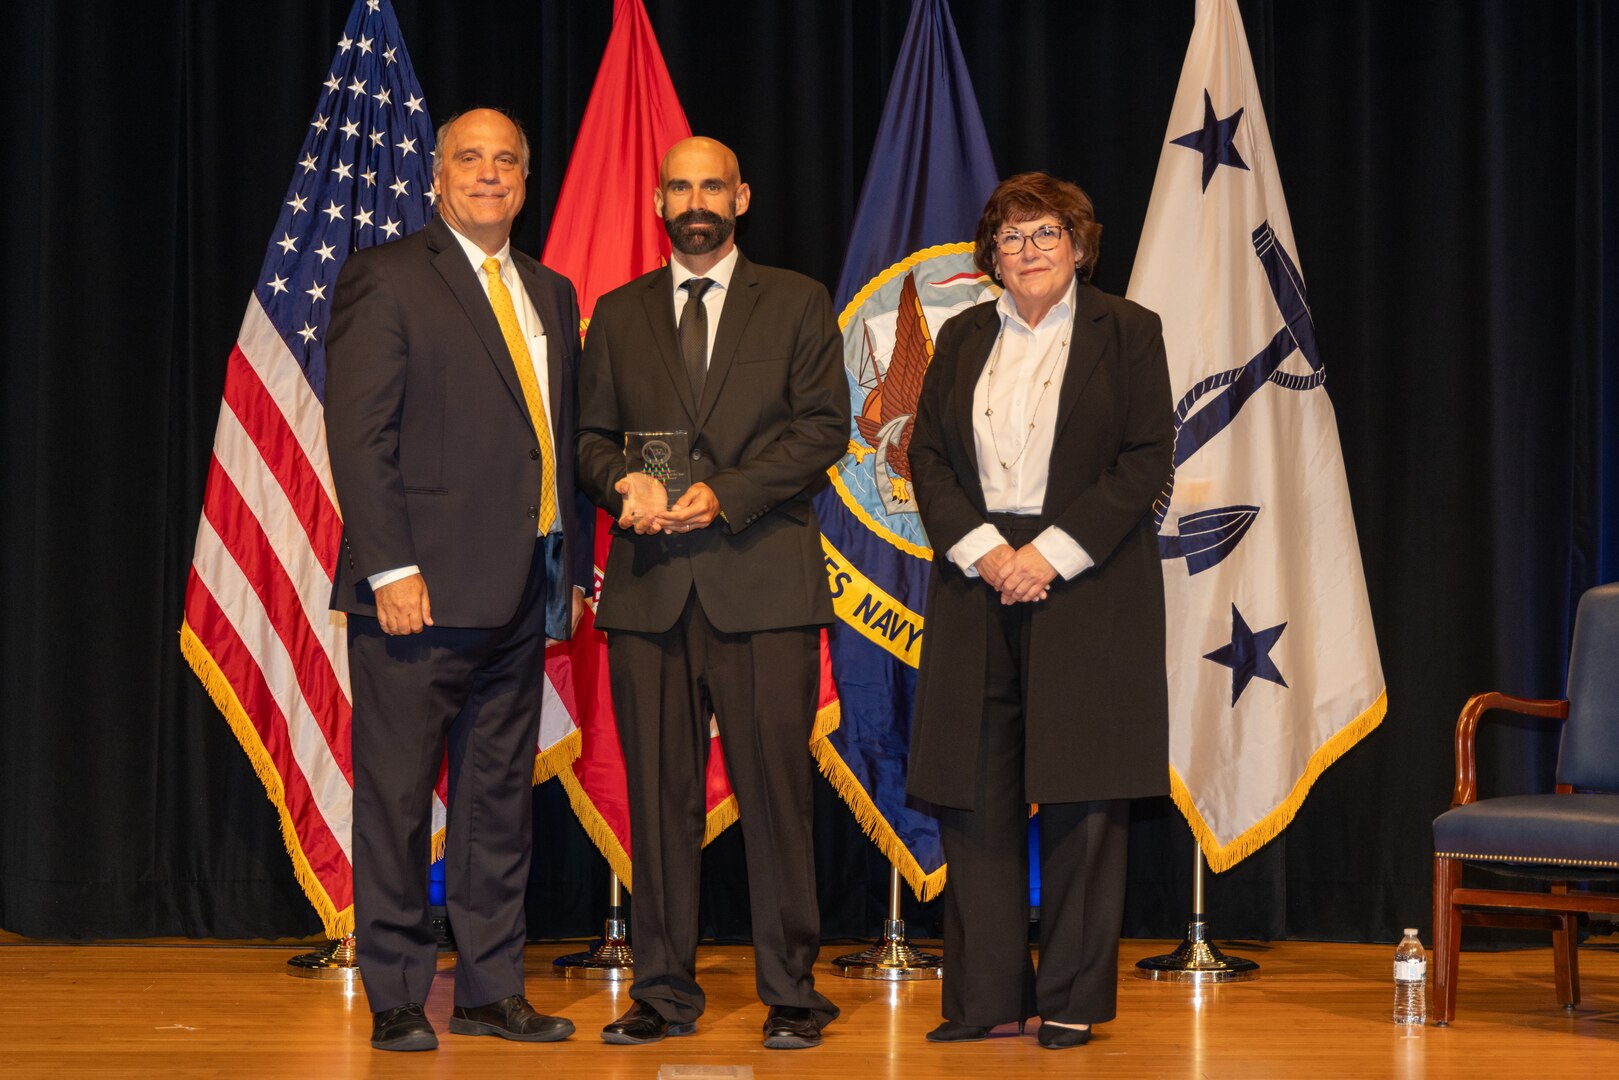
278 283
319 124
333 211
388 54
377 135
308 163
351 129
369 176
344 171
407 145
362 217
316 292
288 242
325 252
307 333
344 42
333 84
372 5
297 203
384 96
391 227
357 86
401 187
413 103
364 44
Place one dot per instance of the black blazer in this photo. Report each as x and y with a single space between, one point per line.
1096 722
774 416
432 449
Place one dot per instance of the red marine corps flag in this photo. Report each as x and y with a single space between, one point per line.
603 234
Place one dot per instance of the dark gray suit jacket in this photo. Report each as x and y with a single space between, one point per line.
1096 716
774 416
433 452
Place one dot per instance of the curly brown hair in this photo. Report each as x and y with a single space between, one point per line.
1035 194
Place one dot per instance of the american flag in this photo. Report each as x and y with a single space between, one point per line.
257 628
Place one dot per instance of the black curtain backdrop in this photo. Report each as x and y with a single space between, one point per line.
1452 172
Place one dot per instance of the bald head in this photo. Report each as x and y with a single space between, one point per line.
700 195
703 153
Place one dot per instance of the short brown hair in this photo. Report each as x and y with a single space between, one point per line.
1035 194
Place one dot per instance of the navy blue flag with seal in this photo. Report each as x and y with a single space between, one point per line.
908 268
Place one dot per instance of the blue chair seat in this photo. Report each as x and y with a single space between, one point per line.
1580 830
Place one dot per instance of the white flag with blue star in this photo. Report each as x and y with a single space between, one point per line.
1272 661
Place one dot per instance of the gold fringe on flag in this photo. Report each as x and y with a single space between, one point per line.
1224 857
871 820
556 757
596 826
338 924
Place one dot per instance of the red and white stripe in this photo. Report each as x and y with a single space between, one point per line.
258 601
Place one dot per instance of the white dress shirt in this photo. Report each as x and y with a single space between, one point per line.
713 299
1015 421
528 322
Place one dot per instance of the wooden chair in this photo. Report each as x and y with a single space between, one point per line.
1566 838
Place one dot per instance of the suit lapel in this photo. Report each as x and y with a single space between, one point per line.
450 260
660 312
975 352
551 321
740 297
1084 351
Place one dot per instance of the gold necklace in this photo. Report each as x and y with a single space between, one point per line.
989 391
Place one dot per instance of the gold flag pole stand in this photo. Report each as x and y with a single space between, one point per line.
1197 959
611 958
334 963
892 958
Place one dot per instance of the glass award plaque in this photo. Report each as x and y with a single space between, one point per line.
662 455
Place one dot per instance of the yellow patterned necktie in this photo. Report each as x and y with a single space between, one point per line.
506 315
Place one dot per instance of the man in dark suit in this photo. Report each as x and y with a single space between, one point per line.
450 406
713 605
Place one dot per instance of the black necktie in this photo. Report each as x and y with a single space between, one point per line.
694 334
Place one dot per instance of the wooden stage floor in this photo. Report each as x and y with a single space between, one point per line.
1318 1010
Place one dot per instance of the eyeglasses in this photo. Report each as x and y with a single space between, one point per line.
1046 238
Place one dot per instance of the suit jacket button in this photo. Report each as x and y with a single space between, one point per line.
534 512
534 454
697 455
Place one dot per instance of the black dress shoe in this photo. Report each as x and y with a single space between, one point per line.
510 1018
950 1031
643 1024
791 1028
1056 1037
403 1027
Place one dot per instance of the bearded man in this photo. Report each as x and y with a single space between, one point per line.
713 604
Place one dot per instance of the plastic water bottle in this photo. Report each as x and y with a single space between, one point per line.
1410 980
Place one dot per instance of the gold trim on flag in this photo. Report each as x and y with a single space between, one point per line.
337 924
1224 857
860 803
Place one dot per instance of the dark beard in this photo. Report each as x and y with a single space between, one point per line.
689 241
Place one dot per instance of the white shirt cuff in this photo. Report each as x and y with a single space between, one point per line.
1063 553
974 546
377 581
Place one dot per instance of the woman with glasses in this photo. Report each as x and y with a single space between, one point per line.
1042 438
